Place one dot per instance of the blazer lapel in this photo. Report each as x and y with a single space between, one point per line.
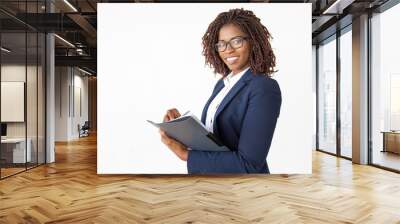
217 89
232 93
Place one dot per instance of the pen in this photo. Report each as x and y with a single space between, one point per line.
185 113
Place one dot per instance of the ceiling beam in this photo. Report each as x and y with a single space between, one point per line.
85 61
84 24
337 6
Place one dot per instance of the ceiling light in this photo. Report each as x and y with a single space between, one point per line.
64 40
337 7
84 71
5 50
70 5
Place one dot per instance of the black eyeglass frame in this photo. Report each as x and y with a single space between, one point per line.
229 42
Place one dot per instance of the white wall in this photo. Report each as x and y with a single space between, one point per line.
62 81
68 83
34 125
80 83
12 73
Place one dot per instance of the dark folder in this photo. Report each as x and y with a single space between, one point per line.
191 132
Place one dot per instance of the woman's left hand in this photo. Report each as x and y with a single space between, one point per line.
178 148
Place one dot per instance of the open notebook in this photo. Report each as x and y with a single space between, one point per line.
189 130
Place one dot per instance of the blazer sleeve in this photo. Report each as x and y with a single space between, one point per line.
255 136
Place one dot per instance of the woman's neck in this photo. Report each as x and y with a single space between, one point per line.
239 70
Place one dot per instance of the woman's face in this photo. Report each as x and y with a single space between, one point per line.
236 59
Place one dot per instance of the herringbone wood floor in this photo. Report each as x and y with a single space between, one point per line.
69 191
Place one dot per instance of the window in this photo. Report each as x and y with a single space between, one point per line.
385 89
346 93
22 74
327 96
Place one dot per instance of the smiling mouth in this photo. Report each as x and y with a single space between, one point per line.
231 60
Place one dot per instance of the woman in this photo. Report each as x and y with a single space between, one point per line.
244 106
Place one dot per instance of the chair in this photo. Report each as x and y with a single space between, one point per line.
84 130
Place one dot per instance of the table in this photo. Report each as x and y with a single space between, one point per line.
15 148
391 141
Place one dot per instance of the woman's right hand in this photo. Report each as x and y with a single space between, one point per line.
171 114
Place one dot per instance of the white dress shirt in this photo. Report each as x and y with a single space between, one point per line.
229 81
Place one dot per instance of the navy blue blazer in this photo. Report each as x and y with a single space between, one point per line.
245 122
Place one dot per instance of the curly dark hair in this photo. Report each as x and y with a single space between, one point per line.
262 58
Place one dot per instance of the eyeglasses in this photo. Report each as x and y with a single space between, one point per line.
235 43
